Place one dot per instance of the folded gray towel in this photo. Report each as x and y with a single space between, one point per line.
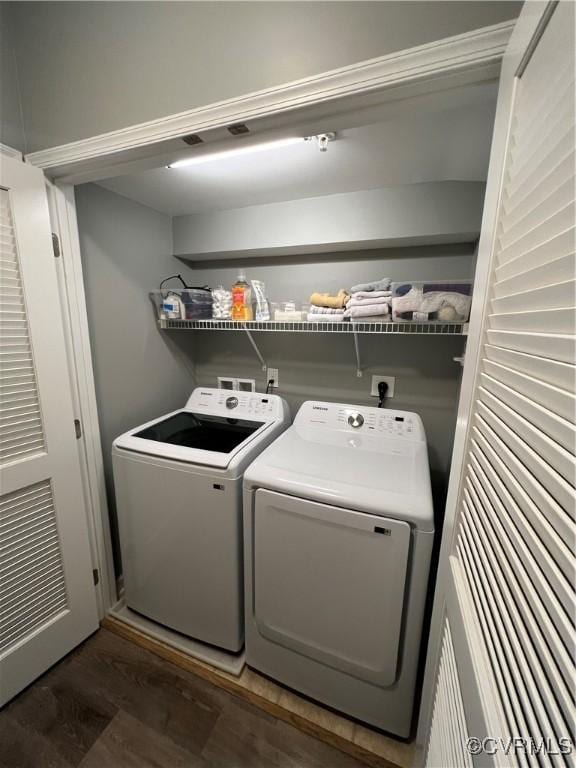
377 285
371 295
368 310
354 302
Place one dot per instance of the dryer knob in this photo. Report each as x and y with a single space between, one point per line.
231 402
356 420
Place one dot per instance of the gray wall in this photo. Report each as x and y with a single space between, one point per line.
139 372
11 126
445 211
90 67
324 367
295 278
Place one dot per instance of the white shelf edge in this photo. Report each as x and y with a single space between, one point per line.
423 329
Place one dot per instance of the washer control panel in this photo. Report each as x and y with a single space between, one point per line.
233 404
374 421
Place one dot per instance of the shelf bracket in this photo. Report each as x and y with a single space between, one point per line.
357 351
255 346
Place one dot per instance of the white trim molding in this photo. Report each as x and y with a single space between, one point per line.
469 51
75 319
10 152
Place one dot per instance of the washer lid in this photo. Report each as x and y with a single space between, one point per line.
205 439
199 430
217 428
379 473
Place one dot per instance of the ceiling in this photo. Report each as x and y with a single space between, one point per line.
437 137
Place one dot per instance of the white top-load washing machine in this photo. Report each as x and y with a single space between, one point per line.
178 482
338 533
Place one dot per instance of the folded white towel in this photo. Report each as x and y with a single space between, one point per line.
371 295
368 310
368 302
317 317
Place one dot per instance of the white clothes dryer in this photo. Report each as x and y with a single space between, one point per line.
338 534
178 484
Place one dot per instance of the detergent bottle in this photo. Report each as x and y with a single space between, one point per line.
241 298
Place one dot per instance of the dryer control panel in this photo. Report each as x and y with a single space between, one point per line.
235 404
384 422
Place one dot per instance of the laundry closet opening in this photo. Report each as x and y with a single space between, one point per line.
397 194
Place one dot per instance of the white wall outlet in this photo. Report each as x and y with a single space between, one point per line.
272 375
390 380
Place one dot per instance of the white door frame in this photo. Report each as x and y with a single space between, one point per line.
73 299
460 60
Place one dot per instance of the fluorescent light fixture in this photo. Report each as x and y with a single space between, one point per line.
237 151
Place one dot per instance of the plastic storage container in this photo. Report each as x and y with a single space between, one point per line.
434 301
183 303
222 303
288 312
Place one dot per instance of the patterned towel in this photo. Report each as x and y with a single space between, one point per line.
327 311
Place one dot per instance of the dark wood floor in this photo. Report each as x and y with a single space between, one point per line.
111 704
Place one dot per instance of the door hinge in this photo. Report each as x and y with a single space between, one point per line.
56 245
96 576
78 428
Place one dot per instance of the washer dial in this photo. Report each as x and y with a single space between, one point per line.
355 420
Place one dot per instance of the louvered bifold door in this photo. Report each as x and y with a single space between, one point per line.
512 561
21 432
47 601
448 730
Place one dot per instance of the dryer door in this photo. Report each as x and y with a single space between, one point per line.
329 583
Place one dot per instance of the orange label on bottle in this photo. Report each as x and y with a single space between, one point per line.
238 303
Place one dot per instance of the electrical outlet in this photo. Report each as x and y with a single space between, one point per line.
272 375
390 380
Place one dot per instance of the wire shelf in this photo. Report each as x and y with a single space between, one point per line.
435 329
